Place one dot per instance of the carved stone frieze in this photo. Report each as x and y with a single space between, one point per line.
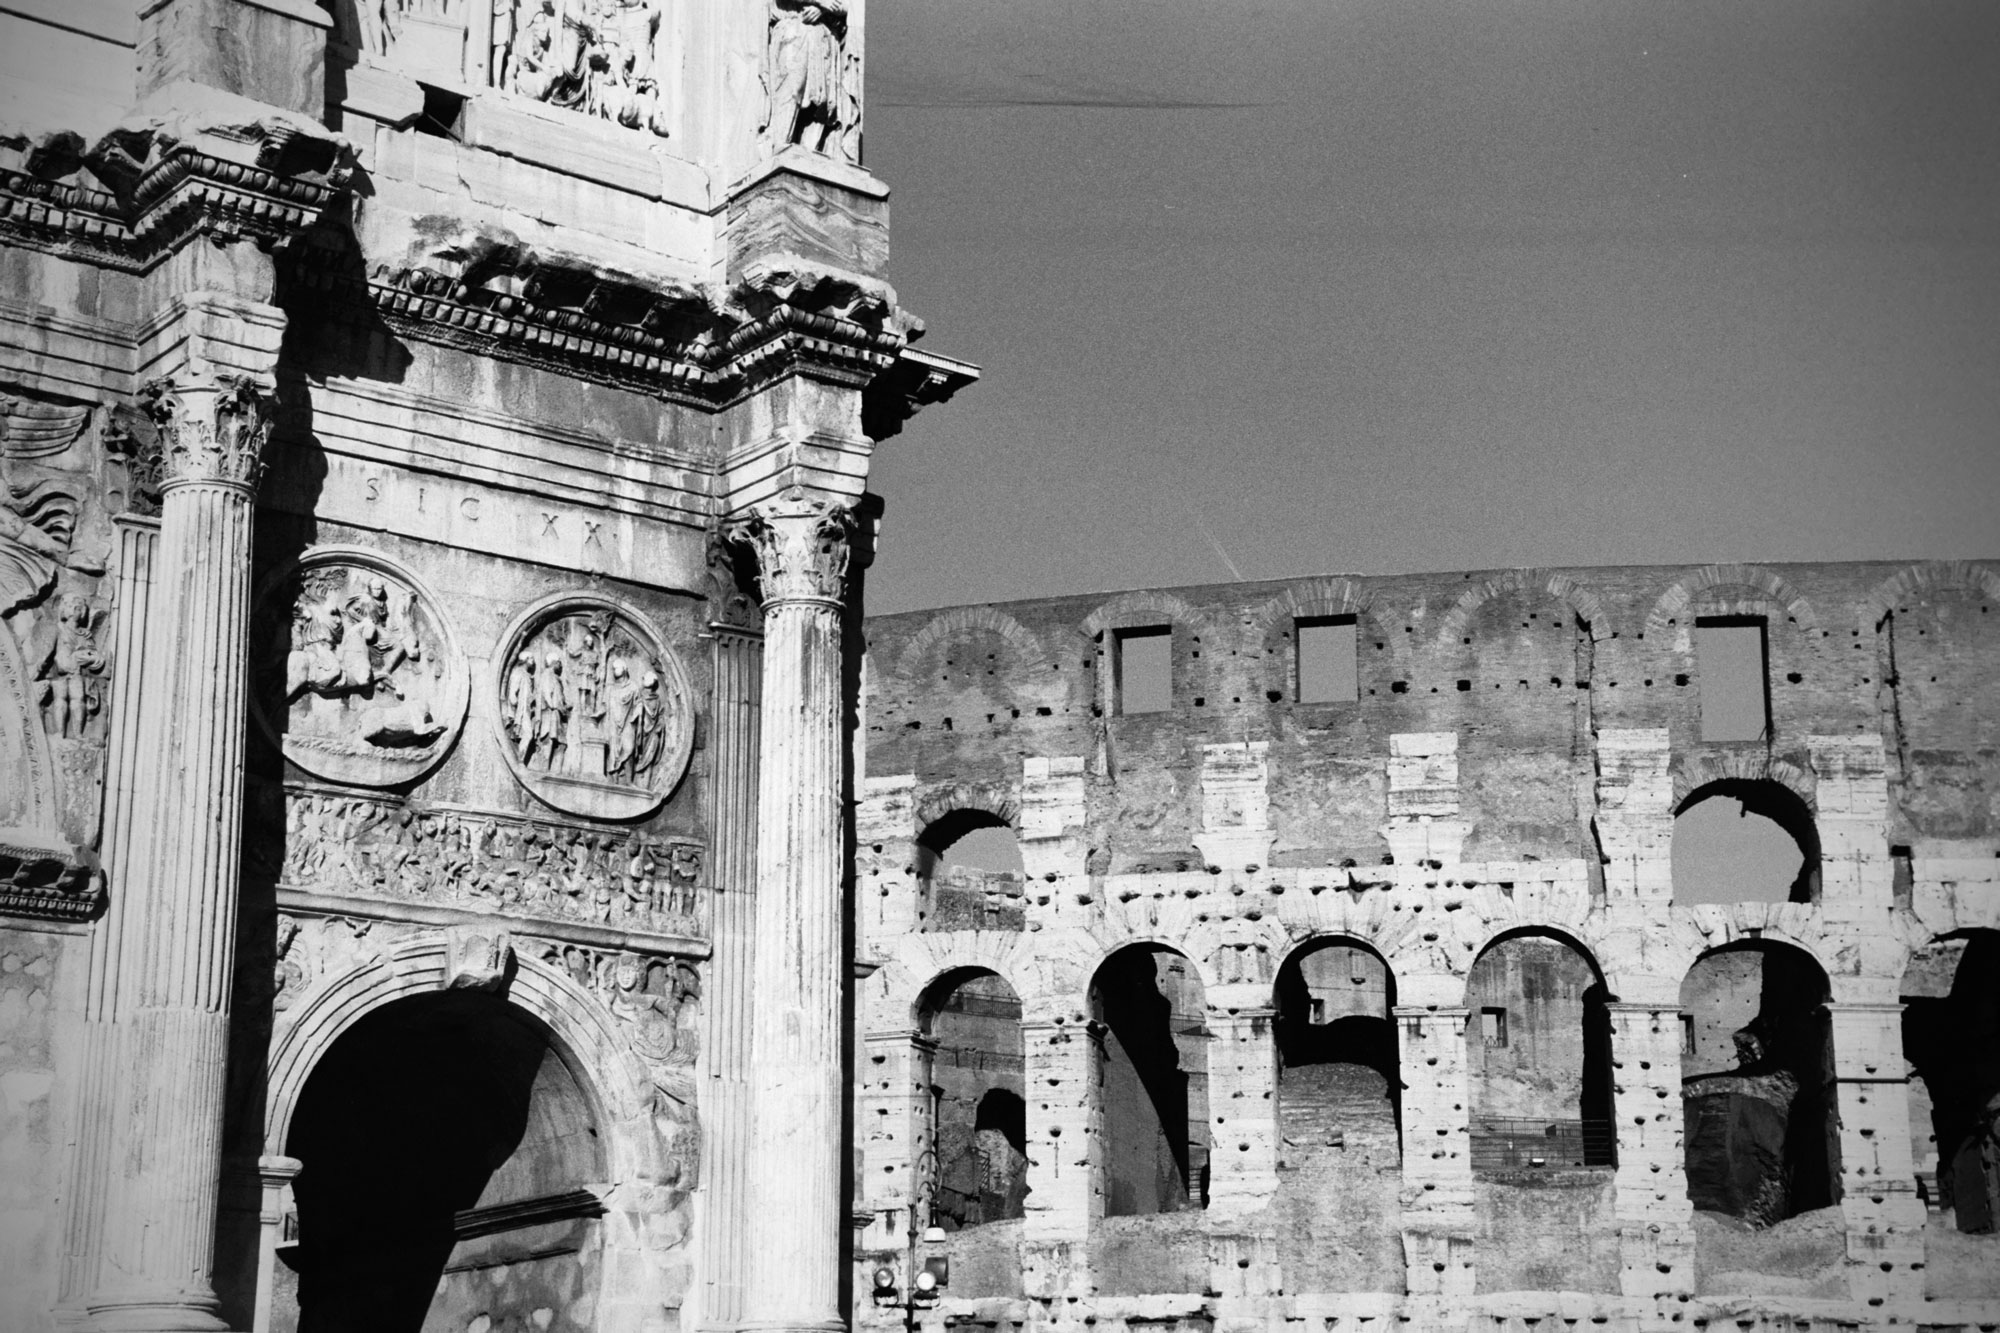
213 429
812 79
603 58
802 546
594 712
43 883
349 845
35 426
71 672
359 678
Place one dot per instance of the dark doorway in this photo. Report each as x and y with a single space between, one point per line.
440 1134
1152 1081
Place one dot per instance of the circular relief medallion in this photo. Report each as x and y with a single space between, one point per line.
359 679
594 712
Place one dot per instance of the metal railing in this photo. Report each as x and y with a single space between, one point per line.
1506 1144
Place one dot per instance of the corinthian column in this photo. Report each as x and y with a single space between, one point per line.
180 916
793 1269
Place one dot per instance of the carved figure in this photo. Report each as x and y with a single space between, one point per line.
69 688
502 44
599 57
807 74
370 685
37 520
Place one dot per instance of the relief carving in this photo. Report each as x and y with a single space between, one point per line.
71 672
657 1003
802 547
34 427
354 845
37 520
594 711
360 680
600 57
813 79
420 36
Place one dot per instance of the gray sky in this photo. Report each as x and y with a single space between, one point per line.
1384 285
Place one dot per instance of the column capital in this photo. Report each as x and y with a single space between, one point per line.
212 428
803 544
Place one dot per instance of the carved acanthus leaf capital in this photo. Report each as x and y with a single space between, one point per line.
212 428
803 547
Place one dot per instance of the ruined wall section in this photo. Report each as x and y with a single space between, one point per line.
1508 770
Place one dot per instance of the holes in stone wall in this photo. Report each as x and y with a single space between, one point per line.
1151 1076
1745 840
978 1107
1143 669
1730 658
1758 1093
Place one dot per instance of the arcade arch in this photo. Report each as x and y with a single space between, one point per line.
1757 1083
1745 840
1538 1055
978 1110
1951 1037
1337 1048
1150 1074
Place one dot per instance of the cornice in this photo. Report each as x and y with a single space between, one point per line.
47 884
179 190
688 344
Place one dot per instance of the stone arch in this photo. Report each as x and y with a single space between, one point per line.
1925 576
1706 768
965 619
1320 597
922 961
974 1059
1588 608
1539 1058
1140 607
1950 992
580 1029
1150 1077
1764 585
1002 802
1762 1138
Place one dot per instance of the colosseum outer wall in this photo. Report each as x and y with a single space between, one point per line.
1496 799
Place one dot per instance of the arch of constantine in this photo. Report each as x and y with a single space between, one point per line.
467 863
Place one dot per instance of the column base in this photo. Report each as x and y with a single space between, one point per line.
791 1326
151 1316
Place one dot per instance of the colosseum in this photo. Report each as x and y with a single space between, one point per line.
1346 980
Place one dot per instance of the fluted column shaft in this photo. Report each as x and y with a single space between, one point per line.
798 958
159 1243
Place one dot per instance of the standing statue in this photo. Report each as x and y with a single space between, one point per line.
552 710
69 688
807 77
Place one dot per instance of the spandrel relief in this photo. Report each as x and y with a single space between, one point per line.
603 58
359 679
419 37
594 712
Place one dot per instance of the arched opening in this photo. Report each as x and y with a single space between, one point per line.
1336 1048
1757 1084
1745 840
1951 1038
1150 1019
1339 1099
1538 1057
449 1154
979 1115
969 866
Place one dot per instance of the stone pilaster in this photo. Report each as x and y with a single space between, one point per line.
1424 823
1065 1192
1438 1222
792 1273
897 1139
158 1248
736 655
1655 1219
1878 1178
1235 804
1635 819
127 839
274 1178
1243 1101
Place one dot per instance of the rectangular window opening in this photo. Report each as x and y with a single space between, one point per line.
1735 695
1327 673
1144 666
1687 1034
1493 1027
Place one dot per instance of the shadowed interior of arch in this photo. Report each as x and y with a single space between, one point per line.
446 1150
979 1113
1152 1081
1745 840
1951 1035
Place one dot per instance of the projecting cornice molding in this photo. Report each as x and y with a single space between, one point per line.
264 181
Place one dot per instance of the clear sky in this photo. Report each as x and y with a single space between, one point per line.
1384 285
